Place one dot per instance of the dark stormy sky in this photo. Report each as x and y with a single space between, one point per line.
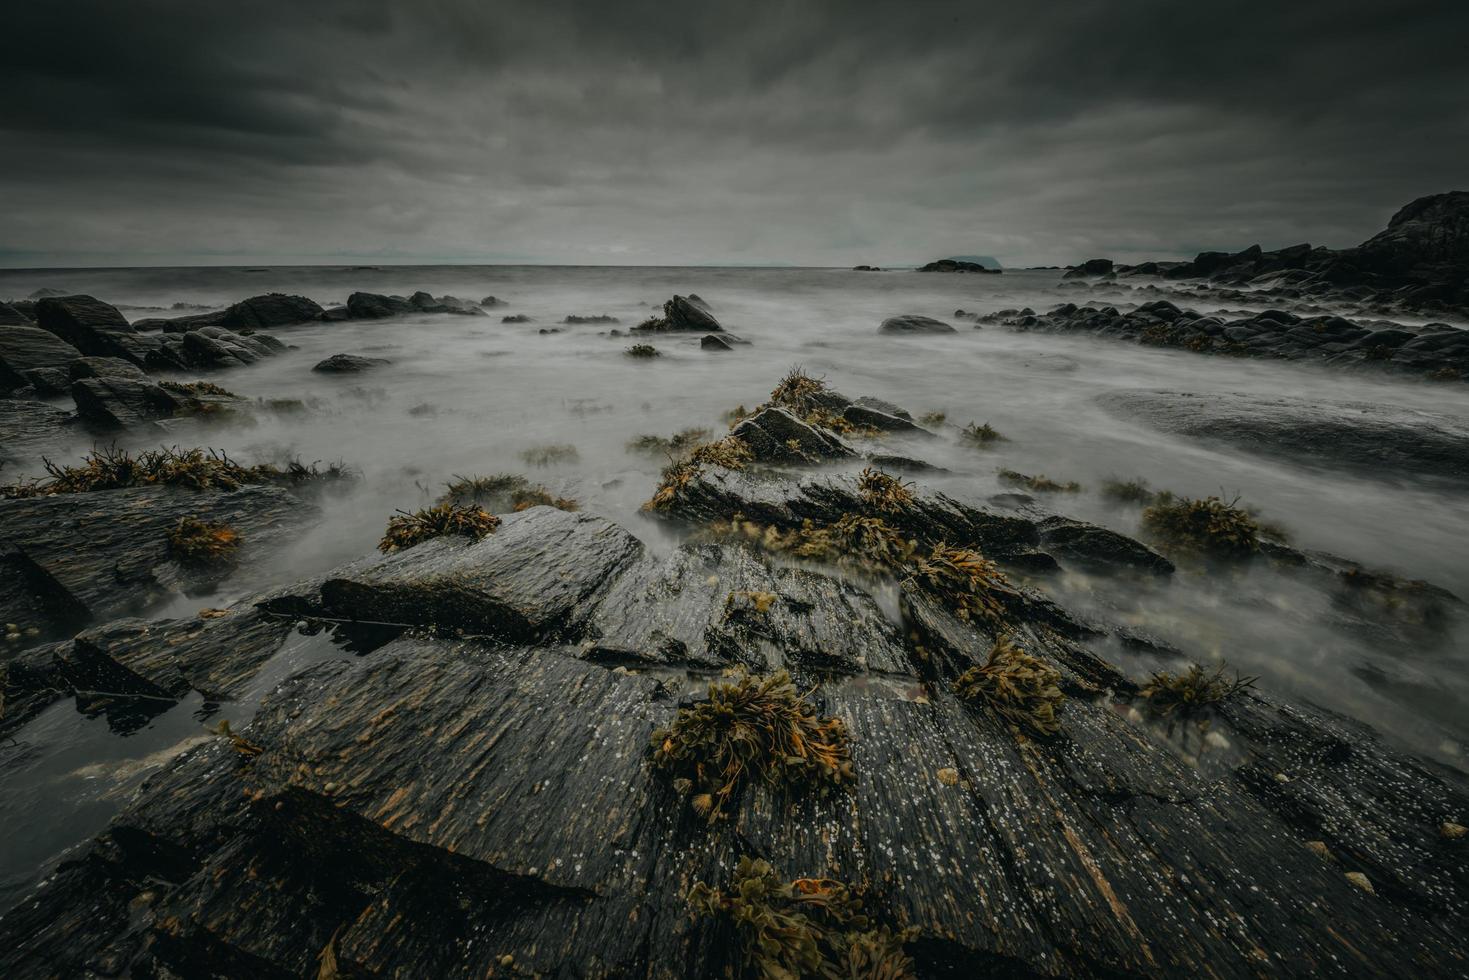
805 132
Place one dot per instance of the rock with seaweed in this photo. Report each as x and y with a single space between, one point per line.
448 806
683 314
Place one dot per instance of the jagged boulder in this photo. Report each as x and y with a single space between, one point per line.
1426 239
372 306
23 348
123 403
682 313
775 435
93 327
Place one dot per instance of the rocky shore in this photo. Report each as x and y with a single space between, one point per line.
840 729
1418 264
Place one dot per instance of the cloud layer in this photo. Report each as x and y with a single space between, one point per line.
805 132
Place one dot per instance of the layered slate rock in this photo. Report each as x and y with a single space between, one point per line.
123 402
25 348
103 367
105 554
460 808
735 610
912 323
11 317
1436 350
131 670
1091 546
1381 440
682 313
777 436
93 327
533 577
30 428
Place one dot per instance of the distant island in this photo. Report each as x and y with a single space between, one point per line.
964 263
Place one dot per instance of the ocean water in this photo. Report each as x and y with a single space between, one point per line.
470 395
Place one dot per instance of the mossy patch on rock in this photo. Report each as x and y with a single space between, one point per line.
441 520
750 727
809 927
1022 689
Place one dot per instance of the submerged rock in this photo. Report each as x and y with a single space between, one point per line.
1383 441
913 324
349 364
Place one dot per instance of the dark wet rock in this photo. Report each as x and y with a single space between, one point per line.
812 625
866 268
913 324
1090 546
372 306
256 313
1090 268
336 314
905 464
882 405
595 318
683 314
491 301
1438 351
131 670
961 265
427 303
103 367
775 435
517 318
29 428
104 554
1383 441
533 577
714 342
124 403
11 317
464 806
47 291
93 327
349 364
23 348
45 383
1427 239
863 415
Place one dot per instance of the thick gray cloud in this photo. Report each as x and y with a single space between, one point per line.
808 131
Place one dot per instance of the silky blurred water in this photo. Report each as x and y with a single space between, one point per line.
468 395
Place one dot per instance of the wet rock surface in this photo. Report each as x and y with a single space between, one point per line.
913 324
349 364
1437 351
24 348
104 554
389 808
1380 440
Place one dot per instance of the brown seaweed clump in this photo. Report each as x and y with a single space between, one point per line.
1039 483
809 927
731 453
441 520
197 542
982 436
1192 691
493 491
884 493
196 469
798 392
676 445
968 583
933 420
750 727
1022 689
644 351
1208 526
193 389
538 496
1134 491
550 455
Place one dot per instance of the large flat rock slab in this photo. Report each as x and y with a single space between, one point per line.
23 348
106 552
535 576
1381 440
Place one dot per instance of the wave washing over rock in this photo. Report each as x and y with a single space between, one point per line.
789 629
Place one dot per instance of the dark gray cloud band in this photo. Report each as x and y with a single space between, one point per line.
805 132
